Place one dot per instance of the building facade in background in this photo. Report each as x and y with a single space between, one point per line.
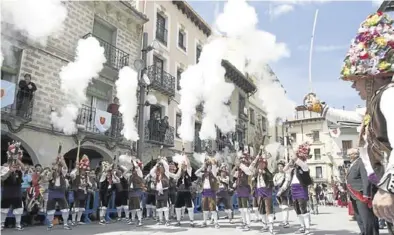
118 27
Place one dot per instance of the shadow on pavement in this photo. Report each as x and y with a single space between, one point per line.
336 232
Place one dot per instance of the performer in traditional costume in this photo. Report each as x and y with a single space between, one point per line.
11 182
80 186
106 188
184 195
208 173
151 197
243 172
263 180
136 187
370 69
282 183
223 194
161 172
57 192
358 186
300 180
172 189
121 194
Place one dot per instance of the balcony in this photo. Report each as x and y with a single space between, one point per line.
87 117
22 107
161 81
116 58
161 34
155 135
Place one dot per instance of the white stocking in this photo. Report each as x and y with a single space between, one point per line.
214 215
205 216
133 213
178 214
80 213
18 216
159 211
4 213
270 221
139 215
302 222
247 216
306 220
190 211
126 212
50 216
65 214
166 214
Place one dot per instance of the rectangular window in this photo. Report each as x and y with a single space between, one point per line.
178 124
316 136
317 154
159 69
346 144
251 116
319 172
241 105
178 78
264 123
161 30
182 39
198 53
294 137
11 64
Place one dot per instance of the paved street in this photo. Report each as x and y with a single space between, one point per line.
330 221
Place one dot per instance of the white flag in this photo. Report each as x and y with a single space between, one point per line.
103 120
7 93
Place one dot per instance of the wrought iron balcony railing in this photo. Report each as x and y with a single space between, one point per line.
21 108
161 34
156 133
116 58
161 81
87 118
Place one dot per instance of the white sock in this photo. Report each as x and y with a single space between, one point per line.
65 217
79 215
103 212
264 219
18 219
307 221
190 211
160 215
301 220
50 218
172 210
270 221
166 214
205 216
243 215
228 214
256 214
215 216
126 212
285 214
247 216
73 216
133 213
119 211
139 215
178 214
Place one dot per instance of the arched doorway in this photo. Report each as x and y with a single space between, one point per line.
94 156
5 139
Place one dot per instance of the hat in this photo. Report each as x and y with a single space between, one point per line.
371 51
223 167
84 163
281 162
303 151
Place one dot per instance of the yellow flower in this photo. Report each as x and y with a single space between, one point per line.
372 21
345 71
381 41
384 65
367 119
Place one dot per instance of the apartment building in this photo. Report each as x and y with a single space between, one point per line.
181 34
118 27
311 127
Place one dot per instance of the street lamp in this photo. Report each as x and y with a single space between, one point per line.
140 66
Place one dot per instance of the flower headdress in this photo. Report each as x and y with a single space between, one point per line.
84 163
303 151
371 51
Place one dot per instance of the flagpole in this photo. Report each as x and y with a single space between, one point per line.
311 51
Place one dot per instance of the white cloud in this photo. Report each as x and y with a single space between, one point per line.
276 11
324 48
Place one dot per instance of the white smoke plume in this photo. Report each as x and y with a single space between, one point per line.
274 98
151 99
75 78
37 21
206 82
126 91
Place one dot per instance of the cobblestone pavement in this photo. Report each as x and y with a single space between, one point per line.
330 221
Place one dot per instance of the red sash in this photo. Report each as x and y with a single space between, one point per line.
360 197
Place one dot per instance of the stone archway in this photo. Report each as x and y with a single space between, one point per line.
95 154
29 155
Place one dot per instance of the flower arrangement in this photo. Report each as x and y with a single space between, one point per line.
303 151
84 163
371 51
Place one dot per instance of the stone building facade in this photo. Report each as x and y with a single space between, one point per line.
118 27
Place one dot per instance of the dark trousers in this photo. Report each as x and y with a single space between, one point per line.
366 220
390 228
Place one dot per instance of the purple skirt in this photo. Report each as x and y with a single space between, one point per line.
208 193
56 194
263 192
299 192
243 191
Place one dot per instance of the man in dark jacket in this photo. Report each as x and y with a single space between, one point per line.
25 95
361 191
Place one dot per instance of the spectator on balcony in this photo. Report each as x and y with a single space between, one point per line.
113 108
25 95
154 126
163 127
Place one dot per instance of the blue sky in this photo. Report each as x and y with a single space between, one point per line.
292 23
